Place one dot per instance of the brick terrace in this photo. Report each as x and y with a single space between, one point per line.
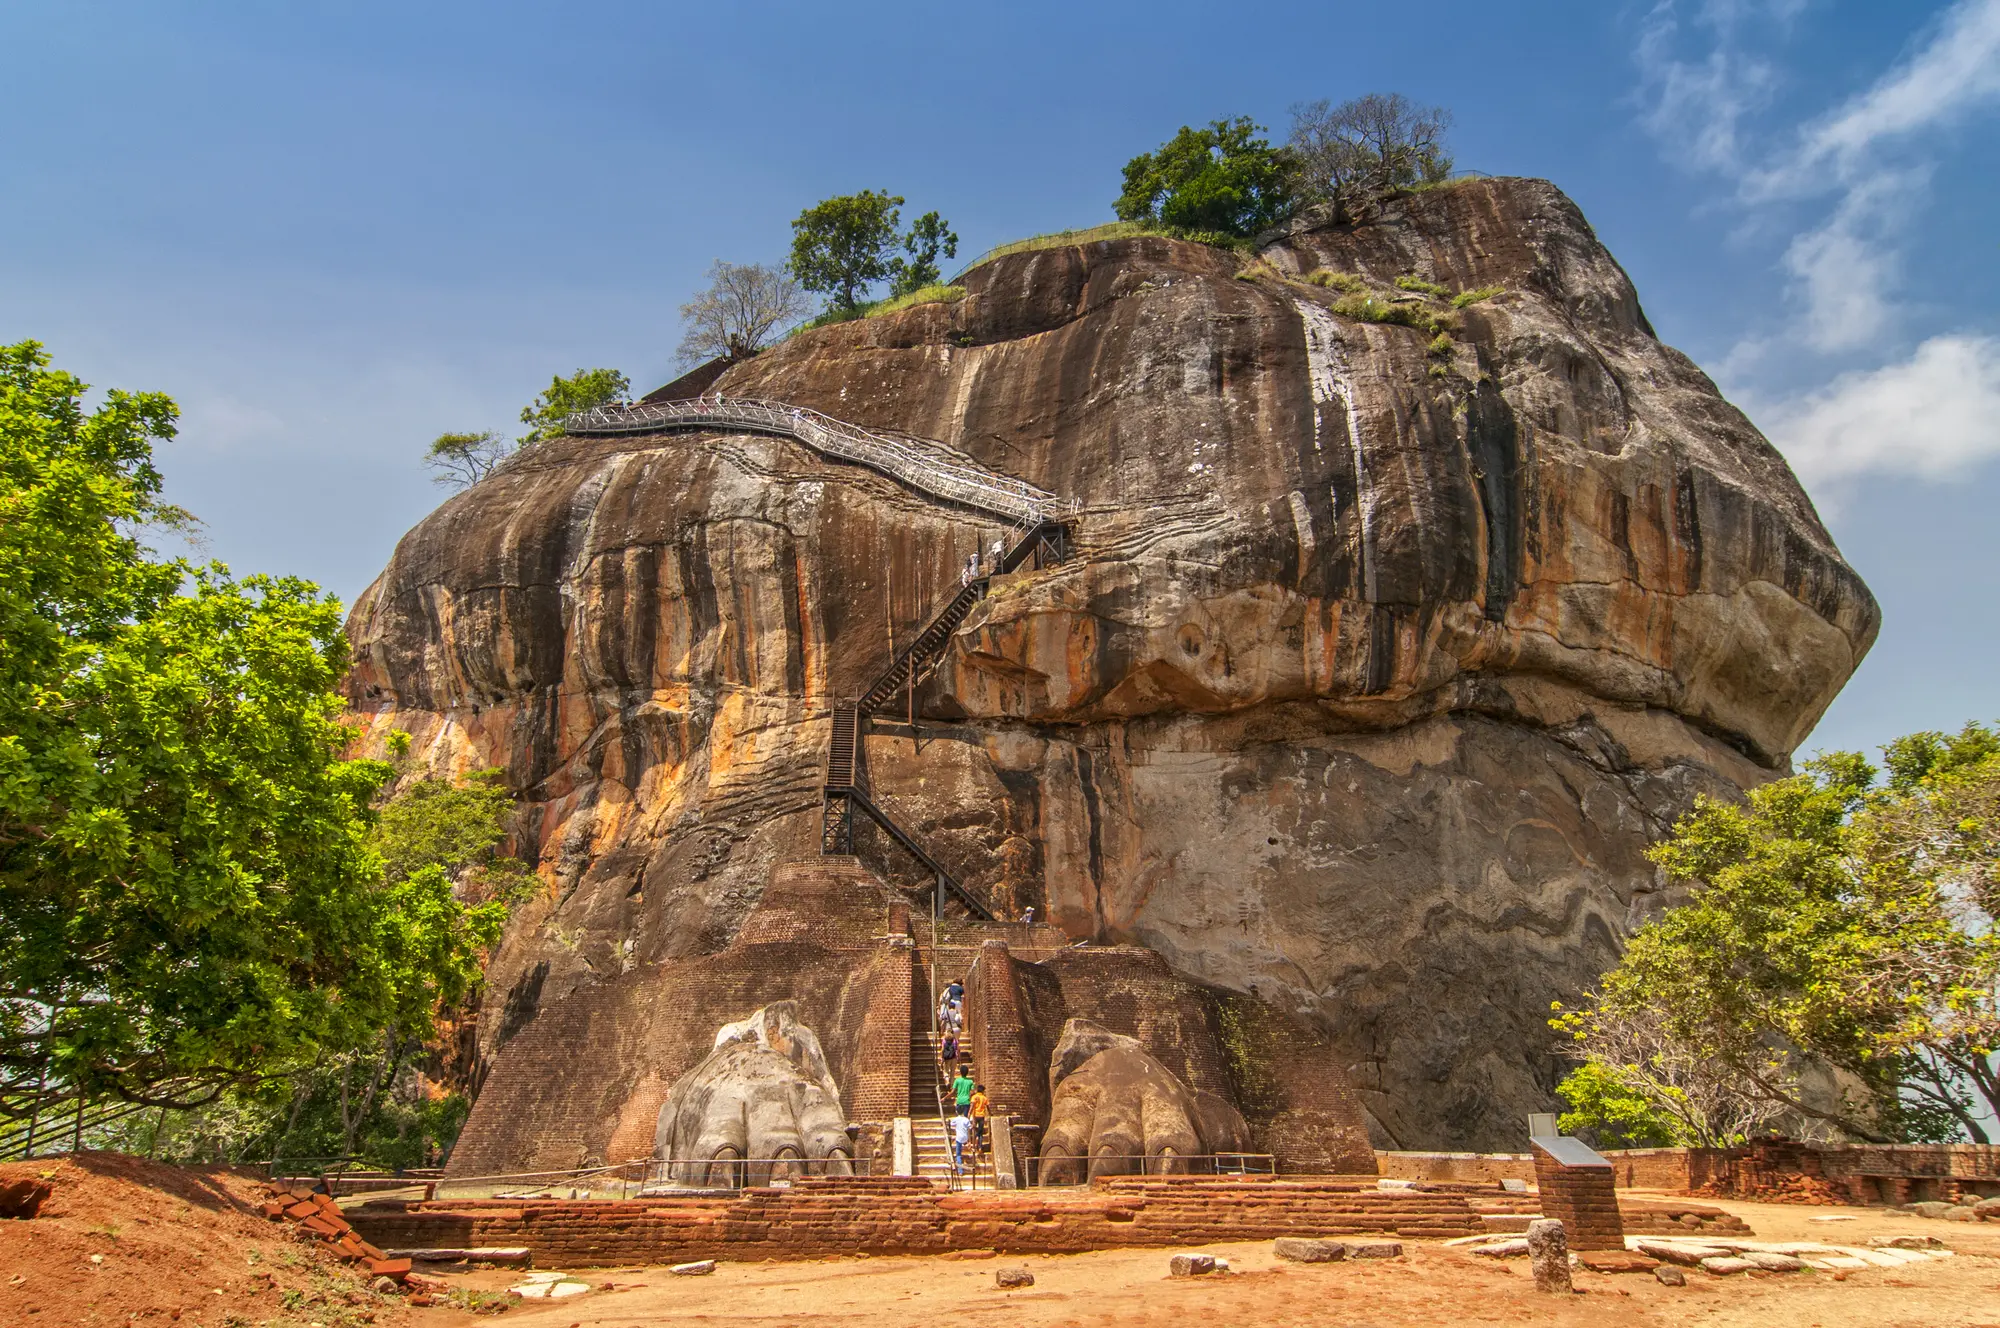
822 1217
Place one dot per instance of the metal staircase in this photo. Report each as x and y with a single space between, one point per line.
930 467
1043 541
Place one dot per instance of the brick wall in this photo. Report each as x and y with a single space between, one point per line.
1584 1199
820 1218
882 1077
999 1043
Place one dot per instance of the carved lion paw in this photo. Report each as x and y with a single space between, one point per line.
1115 1110
761 1105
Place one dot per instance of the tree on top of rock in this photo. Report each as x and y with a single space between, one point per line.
843 246
930 236
1355 153
564 397
736 315
1221 180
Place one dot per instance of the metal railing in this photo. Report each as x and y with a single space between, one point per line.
923 464
1067 1170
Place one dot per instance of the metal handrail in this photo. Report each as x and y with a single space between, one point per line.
926 465
1152 1164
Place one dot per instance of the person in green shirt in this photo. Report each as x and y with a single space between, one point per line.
961 1090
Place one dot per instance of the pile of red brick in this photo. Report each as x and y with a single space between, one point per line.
318 1216
1777 1187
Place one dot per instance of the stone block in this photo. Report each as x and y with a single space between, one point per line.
1302 1250
699 1268
1190 1265
1668 1275
1374 1249
1009 1278
1726 1265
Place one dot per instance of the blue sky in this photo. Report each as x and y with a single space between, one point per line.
332 231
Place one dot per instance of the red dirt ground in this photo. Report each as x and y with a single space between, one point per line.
171 1245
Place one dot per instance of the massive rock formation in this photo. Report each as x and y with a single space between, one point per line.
1381 663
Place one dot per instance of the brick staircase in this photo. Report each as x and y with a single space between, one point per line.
1039 540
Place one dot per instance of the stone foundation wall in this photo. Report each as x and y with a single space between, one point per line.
821 1218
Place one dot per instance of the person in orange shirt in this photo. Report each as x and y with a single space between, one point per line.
980 1108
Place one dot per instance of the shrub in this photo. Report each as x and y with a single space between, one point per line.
1258 267
1441 344
934 294
1368 309
1341 281
1463 298
1421 286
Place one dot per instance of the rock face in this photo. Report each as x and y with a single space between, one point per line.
1378 667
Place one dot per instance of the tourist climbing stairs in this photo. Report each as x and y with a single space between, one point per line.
929 1121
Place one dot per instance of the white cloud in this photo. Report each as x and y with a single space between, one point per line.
1844 269
1953 73
1934 415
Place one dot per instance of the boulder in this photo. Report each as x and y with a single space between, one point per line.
1299 1249
1367 689
1668 1275
1931 1208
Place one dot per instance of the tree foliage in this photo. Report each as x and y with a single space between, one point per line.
564 397
1224 179
463 459
1838 931
930 237
735 316
843 246
188 897
1361 150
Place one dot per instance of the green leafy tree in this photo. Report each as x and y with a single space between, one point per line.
188 896
464 459
1223 179
930 237
1837 931
564 397
842 246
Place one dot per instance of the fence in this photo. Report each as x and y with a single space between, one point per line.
928 466
1064 1169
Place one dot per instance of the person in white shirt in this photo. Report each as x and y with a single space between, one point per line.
961 1135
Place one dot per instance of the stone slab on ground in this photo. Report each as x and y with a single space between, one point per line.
1613 1261
1374 1249
1302 1250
